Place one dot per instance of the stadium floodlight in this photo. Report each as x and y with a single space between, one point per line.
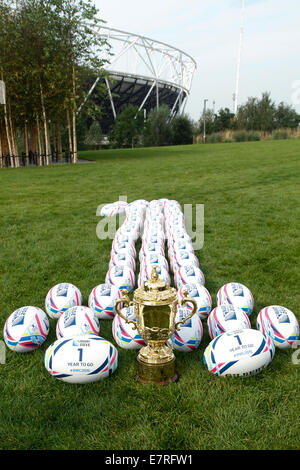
242 29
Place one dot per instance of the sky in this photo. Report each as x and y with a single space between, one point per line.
209 31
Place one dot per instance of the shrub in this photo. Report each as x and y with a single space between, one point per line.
214 138
182 130
280 134
158 130
240 136
253 137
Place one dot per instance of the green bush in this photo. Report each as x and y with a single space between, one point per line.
240 136
215 138
280 134
244 136
253 137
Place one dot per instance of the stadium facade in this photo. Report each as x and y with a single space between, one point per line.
143 72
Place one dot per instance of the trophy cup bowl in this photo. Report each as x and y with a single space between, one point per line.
155 307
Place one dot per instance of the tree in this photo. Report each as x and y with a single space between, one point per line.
286 117
257 114
158 129
46 48
223 120
209 122
94 135
80 49
128 127
182 130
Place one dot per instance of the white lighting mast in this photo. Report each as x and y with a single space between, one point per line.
242 29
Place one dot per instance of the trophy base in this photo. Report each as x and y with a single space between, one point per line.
158 374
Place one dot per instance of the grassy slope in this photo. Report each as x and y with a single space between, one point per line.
48 235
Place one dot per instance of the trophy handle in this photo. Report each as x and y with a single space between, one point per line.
184 301
126 301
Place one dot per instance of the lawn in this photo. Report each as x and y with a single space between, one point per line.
251 193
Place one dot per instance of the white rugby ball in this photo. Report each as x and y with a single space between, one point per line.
281 324
81 359
174 225
148 248
154 258
239 353
179 245
126 248
227 318
114 208
26 329
202 297
125 334
122 235
188 275
122 259
139 203
60 298
121 276
77 321
102 300
179 233
133 231
188 337
184 258
155 238
145 274
236 294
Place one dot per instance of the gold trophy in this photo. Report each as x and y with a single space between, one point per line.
155 307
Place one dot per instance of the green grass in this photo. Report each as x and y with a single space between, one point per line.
251 194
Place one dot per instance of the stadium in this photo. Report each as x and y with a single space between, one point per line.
143 72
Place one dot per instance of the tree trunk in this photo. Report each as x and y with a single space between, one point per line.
8 137
54 142
59 147
15 145
42 139
75 158
26 144
69 133
49 144
13 136
39 140
7 130
33 138
45 125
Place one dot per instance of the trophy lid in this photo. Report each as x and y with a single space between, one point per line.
155 291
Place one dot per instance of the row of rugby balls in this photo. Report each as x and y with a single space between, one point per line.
122 264
275 321
183 261
152 250
234 352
